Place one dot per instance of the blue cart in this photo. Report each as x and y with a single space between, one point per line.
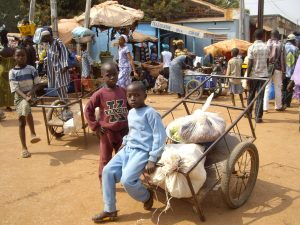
213 85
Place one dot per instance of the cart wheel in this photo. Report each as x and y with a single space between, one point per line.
217 90
54 115
240 174
190 86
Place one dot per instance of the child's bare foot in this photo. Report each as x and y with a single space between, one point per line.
25 153
34 139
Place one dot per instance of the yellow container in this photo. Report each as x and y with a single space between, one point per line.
27 29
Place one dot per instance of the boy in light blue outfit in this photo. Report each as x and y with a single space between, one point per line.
140 150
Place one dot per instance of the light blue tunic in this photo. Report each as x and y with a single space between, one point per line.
144 142
176 75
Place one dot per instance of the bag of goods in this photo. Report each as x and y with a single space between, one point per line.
200 127
80 32
177 157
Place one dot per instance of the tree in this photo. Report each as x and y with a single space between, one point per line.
154 9
163 10
225 3
9 14
66 9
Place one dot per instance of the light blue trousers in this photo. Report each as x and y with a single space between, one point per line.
126 166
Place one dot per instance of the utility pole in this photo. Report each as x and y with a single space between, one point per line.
242 21
260 16
54 20
31 10
87 13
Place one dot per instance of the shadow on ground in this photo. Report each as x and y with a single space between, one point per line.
71 149
267 199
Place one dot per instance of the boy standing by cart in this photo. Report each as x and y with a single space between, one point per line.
141 149
234 69
112 126
24 80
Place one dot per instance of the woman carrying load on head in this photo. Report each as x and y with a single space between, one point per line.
180 50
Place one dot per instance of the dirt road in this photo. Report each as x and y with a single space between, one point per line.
58 185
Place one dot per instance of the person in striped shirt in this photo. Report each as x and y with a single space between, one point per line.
57 64
24 80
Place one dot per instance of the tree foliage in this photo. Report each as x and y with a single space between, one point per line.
163 10
225 3
65 9
154 9
9 14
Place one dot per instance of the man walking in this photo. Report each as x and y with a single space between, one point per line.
291 53
276 59
258 54
57 64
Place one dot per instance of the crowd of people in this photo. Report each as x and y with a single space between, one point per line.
273 60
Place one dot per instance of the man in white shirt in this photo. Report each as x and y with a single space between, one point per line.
166 58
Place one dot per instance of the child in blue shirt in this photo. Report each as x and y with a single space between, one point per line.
24 81
140 150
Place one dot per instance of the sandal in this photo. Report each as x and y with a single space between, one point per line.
35 139
25 154
149 203
105 217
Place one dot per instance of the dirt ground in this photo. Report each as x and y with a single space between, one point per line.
58 185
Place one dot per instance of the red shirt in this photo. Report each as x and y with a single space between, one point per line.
113 109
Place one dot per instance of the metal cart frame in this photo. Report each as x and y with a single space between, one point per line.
52 125
220 164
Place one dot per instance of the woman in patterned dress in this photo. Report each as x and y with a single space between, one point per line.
6 63
125 63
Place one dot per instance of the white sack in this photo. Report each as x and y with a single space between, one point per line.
174 157
200 127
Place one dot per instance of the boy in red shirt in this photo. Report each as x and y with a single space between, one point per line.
113 125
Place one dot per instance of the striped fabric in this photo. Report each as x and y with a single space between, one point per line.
23 78
87 62
57 59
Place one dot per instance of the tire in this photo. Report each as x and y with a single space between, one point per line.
190 86
237 183
55 113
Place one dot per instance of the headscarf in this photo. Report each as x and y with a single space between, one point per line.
165 47
153 47
125 37
45 33
177 42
